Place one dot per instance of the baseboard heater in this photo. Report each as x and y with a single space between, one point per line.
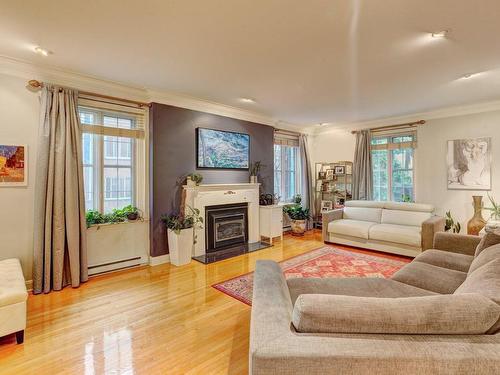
114 266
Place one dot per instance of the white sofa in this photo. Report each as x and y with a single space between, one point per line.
13 297
394 227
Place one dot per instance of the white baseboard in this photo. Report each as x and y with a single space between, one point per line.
154 261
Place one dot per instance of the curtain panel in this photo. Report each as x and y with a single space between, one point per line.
306 177
362 167
60 246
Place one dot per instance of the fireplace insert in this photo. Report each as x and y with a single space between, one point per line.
226 226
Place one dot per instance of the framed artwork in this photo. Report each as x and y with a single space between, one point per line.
219 149
326 206
322 175
339 169
469 164
329 174
13 165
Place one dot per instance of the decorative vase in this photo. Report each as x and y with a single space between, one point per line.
298 227
477 222
180 246
253 179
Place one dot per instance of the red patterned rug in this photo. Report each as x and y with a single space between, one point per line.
323 262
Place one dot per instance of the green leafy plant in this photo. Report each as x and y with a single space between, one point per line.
177 222
94 217
406 198
196 177
297 212
451 224
255 168
494 210
297 199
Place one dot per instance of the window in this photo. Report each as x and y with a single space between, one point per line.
286 172
393 167
109 144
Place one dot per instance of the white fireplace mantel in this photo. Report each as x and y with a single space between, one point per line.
205 195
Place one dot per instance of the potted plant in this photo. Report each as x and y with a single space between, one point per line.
180 233
131 212
298 218
254 171
194 179
494 220
450 224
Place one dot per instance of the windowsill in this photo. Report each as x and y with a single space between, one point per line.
119 223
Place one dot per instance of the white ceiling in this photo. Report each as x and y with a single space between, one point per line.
304 62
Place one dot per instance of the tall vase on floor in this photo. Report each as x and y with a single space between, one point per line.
477 222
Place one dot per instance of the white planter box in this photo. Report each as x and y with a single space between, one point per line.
180 246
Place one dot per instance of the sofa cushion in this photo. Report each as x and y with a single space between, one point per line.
12 284
363 213
405 206
363 203
439 314
485 280
412 218
356 286
489 239
354 228
429 277
445 259
396 233
484 257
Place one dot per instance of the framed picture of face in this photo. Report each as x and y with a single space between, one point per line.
326 206
13 165
469 164
339 169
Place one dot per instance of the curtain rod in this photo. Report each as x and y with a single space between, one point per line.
286 131
37 84
397 126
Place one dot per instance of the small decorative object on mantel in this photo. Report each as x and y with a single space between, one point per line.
455 227
477 222
254 171
13 166
268 199
180 233
493 222
194 179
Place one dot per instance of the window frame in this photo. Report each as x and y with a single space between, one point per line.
389 146
283 172
99 165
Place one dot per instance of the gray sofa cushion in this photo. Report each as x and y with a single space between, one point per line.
484 257
459 314
362 287
489 239
429 277
445 259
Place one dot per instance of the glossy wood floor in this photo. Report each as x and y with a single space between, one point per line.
150 320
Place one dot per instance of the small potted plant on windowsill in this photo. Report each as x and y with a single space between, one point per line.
298 218
180 233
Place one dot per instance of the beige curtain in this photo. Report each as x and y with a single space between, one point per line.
60 248
362 167
306 178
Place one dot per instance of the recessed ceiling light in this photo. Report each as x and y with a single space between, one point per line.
247 100
440 34
322 124
42 51
470 75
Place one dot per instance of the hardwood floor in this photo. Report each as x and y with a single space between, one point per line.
149 320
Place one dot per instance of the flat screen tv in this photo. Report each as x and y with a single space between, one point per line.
218 149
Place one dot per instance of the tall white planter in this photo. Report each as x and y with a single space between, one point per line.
180 246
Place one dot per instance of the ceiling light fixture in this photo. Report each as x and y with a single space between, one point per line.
42 51
248 100
323 124
470 75
440 34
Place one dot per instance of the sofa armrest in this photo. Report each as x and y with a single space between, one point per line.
453 314
456 243
327 217
430 227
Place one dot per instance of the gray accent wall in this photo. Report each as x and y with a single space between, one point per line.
173 155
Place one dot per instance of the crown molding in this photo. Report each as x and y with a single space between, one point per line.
461 110
27 70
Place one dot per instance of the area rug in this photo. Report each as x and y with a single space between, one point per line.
327 261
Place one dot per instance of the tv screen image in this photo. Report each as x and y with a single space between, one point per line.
222 149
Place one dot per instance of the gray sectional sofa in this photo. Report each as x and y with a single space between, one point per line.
440 314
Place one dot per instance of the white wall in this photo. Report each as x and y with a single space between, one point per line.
431 162
331 146
19 109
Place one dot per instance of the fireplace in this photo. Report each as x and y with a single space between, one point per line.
226 226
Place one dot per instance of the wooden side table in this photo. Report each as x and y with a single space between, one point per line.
271 222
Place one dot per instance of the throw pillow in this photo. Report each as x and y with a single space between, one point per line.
489 239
